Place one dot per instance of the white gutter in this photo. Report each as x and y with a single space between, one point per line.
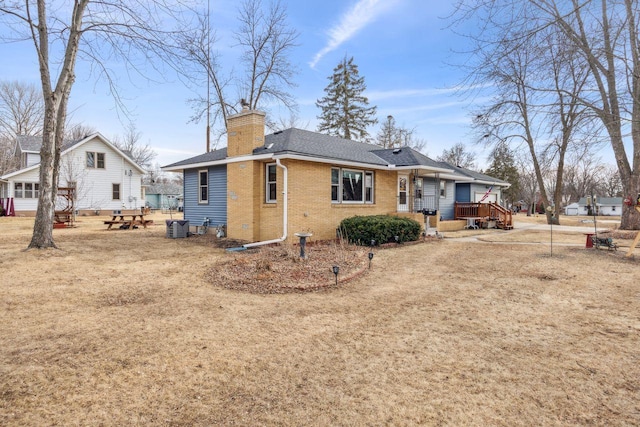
285 215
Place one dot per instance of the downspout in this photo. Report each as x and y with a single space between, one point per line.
285 214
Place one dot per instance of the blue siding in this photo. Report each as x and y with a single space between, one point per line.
216 209
445 204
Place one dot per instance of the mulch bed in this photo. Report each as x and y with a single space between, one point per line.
279 269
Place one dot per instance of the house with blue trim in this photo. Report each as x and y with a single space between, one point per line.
266 188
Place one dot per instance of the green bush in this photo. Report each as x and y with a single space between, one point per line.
360 230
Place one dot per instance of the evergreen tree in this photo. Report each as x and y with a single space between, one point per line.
345 111
503 166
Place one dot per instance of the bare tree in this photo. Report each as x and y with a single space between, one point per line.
392 135
265 41
536 78
130 143
75 132
21 109
8 160
603 38
458 156
134 32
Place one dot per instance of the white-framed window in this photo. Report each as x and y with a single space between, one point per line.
95 160
26 190
18 190
351 186
115 191
203 186
368 187
271 190
443 189
335 185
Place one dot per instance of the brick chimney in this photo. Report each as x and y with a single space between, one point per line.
245 179
245 132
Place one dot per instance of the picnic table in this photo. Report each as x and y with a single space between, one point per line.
128 221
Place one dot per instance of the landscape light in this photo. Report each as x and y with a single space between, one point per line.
336 270
370 258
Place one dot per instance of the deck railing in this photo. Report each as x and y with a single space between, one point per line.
490 211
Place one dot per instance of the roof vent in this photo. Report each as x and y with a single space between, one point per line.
397 150
277 132
269 146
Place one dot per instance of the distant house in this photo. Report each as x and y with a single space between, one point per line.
607 206
267 188
103 177
164 196
572 209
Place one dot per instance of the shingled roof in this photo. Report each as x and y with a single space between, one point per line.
33 144
476 176
325 147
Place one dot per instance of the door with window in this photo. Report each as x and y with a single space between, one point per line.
403 199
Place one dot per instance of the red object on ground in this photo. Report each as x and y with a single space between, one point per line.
589 243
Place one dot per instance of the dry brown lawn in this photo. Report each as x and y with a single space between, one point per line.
127 327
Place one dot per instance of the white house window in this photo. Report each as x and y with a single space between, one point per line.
95 160
443 189
115 191
351 186
18 190
26 190
368 187
203 186
271 188
335 185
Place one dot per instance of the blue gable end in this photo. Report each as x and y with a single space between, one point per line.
216 208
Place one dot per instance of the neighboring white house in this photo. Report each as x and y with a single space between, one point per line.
105 178
572 209
606 206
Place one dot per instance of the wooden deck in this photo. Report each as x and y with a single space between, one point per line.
485 214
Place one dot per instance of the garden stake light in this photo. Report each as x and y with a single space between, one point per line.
336 270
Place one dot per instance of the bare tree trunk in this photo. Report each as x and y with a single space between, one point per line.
54 119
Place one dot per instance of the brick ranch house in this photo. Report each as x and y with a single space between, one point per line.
267 188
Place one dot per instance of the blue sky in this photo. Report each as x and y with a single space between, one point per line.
402 49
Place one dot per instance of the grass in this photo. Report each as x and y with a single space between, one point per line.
125 328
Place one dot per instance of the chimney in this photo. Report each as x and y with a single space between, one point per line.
245 132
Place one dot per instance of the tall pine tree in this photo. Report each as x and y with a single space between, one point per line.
503 166
345 111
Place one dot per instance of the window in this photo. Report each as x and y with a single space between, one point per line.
351 186
95 160
115 191
18 190
335 185
203 186
271 188
368 187
26 190
443 189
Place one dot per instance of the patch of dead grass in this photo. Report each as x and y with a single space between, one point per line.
125 328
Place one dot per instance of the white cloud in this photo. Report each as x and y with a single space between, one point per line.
359 16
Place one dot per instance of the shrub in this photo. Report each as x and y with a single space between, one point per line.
381 228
